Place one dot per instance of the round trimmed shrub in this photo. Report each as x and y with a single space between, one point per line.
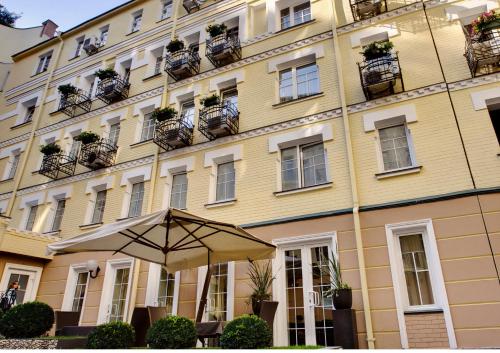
246 332
114 335
172 332
28 320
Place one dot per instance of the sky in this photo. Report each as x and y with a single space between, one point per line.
66 13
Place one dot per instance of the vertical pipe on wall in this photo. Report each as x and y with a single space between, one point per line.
354 188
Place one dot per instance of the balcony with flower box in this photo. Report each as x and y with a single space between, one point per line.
223 47
181 63
95 152
55 163
380 71
191 5
218 119
111 87
365 9
73 101
482 44
171 129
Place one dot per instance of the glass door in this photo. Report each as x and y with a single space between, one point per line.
120 295
309 313
25 286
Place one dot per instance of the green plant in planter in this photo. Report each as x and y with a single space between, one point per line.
216 29
210 101
66 90
50 149
164 114
87 137
340 291
175 45
261 278
487 20
106 73
377 49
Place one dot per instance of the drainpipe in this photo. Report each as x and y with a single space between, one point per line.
36 124
354 188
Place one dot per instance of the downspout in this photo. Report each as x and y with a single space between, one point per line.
354 188
36 124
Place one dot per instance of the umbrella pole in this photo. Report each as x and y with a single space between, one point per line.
204 292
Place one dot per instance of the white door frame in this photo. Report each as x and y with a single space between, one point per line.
279 284
35 273
69 291
154 275
107 288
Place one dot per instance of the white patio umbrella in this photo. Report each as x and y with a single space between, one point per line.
175 239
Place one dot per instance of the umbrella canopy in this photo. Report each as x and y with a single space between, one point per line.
173 238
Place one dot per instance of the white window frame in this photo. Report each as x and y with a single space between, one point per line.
140 110
130 178
290 5
136 18
426 229
142 193
10 164
411 148
168 170
69 291
93 187
154 275
34 271
202 273
107 288
43 63
80 43
103 31
164 14
295 88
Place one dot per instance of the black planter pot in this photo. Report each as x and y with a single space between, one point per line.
342 299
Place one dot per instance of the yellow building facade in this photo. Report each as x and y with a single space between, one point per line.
391 162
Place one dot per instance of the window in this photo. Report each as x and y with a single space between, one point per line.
495 120
99 206
148 127
225 181
166 9
298 82
136 199
13 166
44 63
230 96
58 216
136 21
80 289
158 62
233 32
103 38
75 148
303 166
187 111
120 291
217 294
292 16
30 222
114 133
179 191
395 147
79 46
29 114
418 283
166 291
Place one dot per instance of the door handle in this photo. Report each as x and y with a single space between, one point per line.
312 298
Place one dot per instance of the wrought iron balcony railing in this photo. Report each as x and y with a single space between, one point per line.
75 103
191 5
219 120
223 50
182 64
97 155
58 165
482 51
364 9
381 76
173 133
112 89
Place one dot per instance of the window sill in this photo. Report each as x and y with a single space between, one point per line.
90 226
423 310
297 100
397 172
159 74
221 203
18 126
125 218
137 144
164 19
73 58
6 180
304 189
129 34
303 24
39 73
54 233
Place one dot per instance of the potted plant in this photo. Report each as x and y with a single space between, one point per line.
104 74
175 45
50 149
87 137
66 90
164 114
377 49
261 279
210 101
486 21
340 291
216 29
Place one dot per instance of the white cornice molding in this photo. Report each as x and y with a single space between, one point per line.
474 82
35 81
6 196
14 140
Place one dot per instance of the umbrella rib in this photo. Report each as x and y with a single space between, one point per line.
136 240
192 241
188 248
143 234
191 233
187 236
